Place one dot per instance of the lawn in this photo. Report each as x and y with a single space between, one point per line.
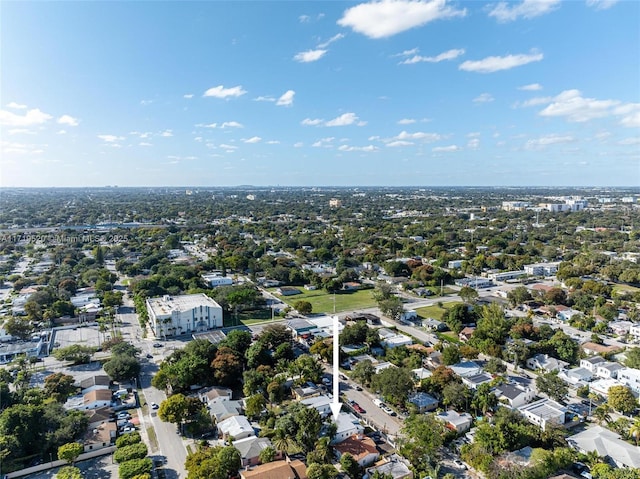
624 288
435 311
323 302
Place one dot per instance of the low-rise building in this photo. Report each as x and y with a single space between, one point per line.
221 410
283 469
175 315
602 386
237 427
607 444
476 380
321 403
466 333
395 466
545 363
592 362
347 425
455 421
630 377
250 449
423 401
543 412
514 396
466 368
541 269
591 349
608 370
363 449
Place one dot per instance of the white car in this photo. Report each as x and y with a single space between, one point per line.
154 406
459 463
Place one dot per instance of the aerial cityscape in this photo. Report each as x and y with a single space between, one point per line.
392 239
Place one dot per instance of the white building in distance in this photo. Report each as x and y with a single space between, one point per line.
175 315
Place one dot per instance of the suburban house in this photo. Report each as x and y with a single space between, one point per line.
391 339
300 327
363 449
466 333
466 368
476 380
237 427
95 382
621 328
288 291
635 330
395 466
455 421
214 393
608 370
607 444
214 280
423 401
602 386
431 324
545 363
591 349
543 412
283 469
513 396
98 416
371 319
322 404
309 390
175 315
97 398
567 314
576 376
221 410
100 437
347 425
250 449
592 362
421 373
630 377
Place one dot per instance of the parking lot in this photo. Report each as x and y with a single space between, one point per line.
85 336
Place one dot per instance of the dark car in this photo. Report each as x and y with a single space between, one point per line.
157 345
149 356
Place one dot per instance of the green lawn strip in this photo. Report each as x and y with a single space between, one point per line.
449 336
322 302
153 439
434 311
624 288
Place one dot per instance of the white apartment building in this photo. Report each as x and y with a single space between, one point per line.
175 315
542 269
630 377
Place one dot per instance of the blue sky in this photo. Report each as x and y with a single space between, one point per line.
402 92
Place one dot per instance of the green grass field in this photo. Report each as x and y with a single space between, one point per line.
624 288
322 301
435 311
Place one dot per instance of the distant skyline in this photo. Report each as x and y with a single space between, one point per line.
292 93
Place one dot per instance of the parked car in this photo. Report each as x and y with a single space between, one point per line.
157 345
358 408
459 463
154 406
149 356
123 415
128 429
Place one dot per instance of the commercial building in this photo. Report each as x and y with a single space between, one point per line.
176 315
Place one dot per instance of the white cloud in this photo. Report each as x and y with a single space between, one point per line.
273 142
396 143
227 147
323 142
367 148
630 141
20 148
544 141
264 98
508 12
61 132
311 122
419 135
231 124
574 107
21 131
16 106
304 18
386 18
601 4
166 133
146 102
344 120
445 149
68 120
298 144
144 143
222 92
473 143
494 64
253 139
483 98
531 87
406 121
286 99
335 38
539 100
188 96
630 114
30 118
309 56
448 55
110 138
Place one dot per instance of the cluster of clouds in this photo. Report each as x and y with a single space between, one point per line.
345 119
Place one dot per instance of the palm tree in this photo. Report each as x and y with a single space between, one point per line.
592 458
283 442
603 414
634 430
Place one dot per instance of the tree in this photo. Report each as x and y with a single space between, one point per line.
321 471
268 454
351 466
468 294
602 414
128 439
495 366
177 408
422 437
518 296
622 399
213 463
69 452
131 452
363 371
69 472
458 396
121 368
632 358
238 340
75 353
551 385
59 386
18 327
394 384
483 399
354 333
254 405
135 467
303 307
451 355
122 348
634 430
227 366
391 307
